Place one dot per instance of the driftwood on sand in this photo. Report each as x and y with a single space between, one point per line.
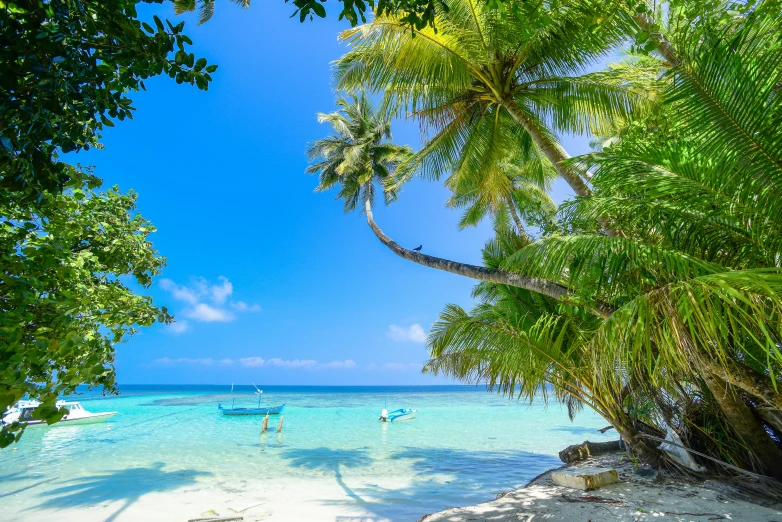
587 450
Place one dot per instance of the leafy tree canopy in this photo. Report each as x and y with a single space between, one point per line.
67 69
66 291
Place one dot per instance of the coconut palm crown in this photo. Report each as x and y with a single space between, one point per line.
358 154
483 77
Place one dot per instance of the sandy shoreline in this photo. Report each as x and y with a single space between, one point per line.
637 497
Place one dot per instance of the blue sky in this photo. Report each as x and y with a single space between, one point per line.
269 281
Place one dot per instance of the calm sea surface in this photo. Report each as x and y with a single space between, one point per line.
465 446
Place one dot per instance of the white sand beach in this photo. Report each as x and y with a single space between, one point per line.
637 497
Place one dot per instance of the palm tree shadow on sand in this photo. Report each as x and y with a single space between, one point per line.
474 473
126 486
333 460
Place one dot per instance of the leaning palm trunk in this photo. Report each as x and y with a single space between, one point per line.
558 157
550 148
533 284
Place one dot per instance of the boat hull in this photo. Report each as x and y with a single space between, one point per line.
243 412
400 415
92 419
402 418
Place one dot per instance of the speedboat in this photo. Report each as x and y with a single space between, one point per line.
399 415
23 413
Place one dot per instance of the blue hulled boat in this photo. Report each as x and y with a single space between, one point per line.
401 414
259 410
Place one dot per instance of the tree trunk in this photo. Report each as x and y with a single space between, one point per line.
664 47
552 150
533 284
516 218
557 156
744 423
750 381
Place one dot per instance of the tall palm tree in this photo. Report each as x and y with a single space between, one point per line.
356 158
480 63
696 282
516 187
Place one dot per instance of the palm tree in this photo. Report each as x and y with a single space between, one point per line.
206 9
516 187
694 342
356 158
480 63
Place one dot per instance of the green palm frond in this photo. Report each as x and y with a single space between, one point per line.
357 156
206 9
608 267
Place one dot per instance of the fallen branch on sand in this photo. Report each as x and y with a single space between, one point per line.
593 499
215 519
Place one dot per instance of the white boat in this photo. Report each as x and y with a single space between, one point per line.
23 412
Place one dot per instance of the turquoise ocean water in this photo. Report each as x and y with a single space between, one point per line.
465 446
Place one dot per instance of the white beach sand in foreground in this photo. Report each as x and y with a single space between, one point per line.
331 499
636 497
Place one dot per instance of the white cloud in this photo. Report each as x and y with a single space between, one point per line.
413 333
185 360
241 306
295 363
207 302
179 327
298 364
208 314
220 293
346 364
257 362
252 361
180 293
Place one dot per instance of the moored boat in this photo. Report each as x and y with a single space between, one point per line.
23 413
402 414
258 410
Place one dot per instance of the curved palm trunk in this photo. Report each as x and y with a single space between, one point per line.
664 47
533 284
745 424
555 154
516 218
733 406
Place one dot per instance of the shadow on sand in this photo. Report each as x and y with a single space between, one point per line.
441 477
125 486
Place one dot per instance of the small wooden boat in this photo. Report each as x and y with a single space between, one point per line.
258 410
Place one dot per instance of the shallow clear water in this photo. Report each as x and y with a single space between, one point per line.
465 446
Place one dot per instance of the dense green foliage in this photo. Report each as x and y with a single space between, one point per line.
672 247
66 292
71 256
67 68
